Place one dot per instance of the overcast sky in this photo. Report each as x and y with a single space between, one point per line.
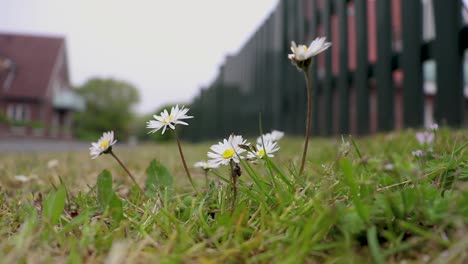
167 48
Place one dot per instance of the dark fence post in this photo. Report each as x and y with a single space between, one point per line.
313 74
413 94
300 85
220 119
283 72
448 55
290 72
266 67
385 92
252 108
300 16
262 66
192 133
343 81
361 74
212 113
327 80
279 62
296 86
257 75
204 113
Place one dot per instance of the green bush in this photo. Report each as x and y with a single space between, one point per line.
109 105
36 124
3 118
18 123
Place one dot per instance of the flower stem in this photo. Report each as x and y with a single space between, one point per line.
207 185
234 185
184 163
128 172
309 117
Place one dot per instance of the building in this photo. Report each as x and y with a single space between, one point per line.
36 98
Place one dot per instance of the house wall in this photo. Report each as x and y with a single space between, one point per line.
33 111
56 122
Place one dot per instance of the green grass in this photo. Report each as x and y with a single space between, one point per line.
349 207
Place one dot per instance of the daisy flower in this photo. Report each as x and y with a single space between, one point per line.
434 127
345 147
274 136
389 166
425 137
227 150
301 57
104 145
52 163
22 178
170 120
302 53
205 165
269 148
418 153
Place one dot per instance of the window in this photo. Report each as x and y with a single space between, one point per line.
7 69
18 112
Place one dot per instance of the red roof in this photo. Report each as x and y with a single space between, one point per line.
34 58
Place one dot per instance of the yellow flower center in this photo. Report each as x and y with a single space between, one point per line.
104 144
228 153
304 47
168 120
261 153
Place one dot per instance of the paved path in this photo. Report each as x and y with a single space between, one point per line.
23 145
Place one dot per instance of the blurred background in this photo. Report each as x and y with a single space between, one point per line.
74 69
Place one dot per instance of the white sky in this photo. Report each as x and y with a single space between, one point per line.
167 48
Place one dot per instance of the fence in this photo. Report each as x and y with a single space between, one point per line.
374 78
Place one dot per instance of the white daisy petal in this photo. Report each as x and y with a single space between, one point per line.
227 150
274 136
206 165
181 123
267 149
166 119
104 143
301 52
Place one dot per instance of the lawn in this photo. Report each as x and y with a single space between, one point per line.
366 200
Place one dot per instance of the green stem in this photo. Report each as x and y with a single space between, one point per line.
309 117
234 185
184 163
126 170
207 186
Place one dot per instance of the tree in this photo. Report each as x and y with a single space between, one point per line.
109 106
